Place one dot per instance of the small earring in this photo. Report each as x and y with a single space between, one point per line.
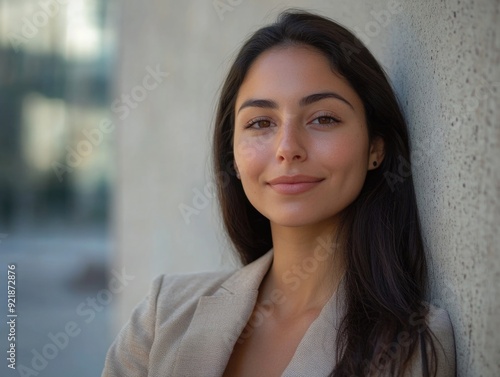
238 175
375 163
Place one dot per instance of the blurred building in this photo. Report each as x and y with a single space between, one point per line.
56 69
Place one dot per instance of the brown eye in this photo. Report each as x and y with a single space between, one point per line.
264 123
324 120
260 123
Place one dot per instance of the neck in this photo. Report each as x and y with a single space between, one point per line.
307 267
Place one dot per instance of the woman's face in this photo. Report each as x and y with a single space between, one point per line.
301 142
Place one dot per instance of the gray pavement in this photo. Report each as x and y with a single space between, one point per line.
62 329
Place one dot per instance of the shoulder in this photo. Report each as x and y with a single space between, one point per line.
172 295
173 299
159 322
175 292
436 324
439 323
169 291
189 283
151 338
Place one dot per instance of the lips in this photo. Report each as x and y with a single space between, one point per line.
294 184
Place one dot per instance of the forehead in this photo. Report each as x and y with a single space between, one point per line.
290 72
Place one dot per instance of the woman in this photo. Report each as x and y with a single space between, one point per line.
335 274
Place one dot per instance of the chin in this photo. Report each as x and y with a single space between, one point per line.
294 220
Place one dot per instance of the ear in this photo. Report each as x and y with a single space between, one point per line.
377 153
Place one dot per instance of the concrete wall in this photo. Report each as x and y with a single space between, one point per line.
443 59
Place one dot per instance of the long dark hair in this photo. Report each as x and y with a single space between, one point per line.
386 275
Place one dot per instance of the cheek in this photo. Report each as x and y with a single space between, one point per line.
348 152
251 161
352 159
250 155
347 163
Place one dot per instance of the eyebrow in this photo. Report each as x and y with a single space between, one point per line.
270 104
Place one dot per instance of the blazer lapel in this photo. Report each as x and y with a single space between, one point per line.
218 322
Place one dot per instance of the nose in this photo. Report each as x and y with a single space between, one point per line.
290 143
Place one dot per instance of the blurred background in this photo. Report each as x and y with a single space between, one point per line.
57 68
106 113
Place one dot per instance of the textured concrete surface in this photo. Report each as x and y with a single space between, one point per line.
444 63
443 59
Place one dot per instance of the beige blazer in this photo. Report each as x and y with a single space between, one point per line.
188 324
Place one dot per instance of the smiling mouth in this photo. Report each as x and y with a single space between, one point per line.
290 185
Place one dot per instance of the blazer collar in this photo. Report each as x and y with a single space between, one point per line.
220 318
250 276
